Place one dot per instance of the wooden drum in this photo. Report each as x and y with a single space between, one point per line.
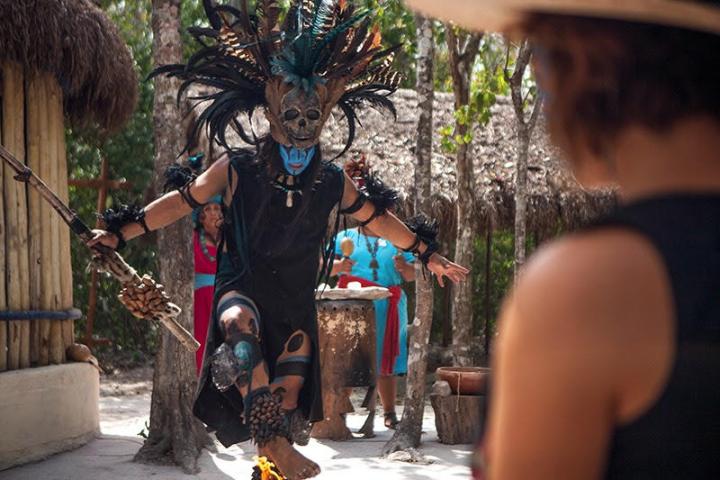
347 359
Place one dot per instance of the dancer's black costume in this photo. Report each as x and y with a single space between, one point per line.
325 53
276 265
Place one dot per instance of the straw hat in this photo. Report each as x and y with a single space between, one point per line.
504 15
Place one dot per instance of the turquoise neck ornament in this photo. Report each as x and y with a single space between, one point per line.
296 160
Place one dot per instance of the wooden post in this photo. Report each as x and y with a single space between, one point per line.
447 318
45 228
3 302
92 300
15 216
35 205
488 269
66 279
103 184
54 134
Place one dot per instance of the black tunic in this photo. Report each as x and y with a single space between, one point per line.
279 271
678 436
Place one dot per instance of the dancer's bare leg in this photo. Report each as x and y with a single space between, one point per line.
240 324
293 367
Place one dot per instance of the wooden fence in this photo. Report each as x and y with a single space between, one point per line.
34 243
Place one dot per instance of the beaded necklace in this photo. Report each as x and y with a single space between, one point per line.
374 265
289 185
203 247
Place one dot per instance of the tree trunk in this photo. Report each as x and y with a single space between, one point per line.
525 126
463 50
175 435
408 431
521 198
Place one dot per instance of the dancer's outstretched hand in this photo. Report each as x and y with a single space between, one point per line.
103 237
442 267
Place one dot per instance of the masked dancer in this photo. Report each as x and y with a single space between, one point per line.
260 377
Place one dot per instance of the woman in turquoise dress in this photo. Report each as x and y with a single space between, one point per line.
375 261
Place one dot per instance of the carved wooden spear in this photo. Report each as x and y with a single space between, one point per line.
142 296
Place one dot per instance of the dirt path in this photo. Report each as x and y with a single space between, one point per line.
124 411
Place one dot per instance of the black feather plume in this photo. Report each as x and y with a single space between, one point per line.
382 197
425 228
177 176
116 218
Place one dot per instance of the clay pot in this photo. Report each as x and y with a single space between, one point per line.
469 380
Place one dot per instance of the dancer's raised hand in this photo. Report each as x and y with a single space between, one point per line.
442 267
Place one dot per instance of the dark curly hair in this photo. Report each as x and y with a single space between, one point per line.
605 75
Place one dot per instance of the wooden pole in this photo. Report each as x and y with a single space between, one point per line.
34 126
92 300
3 298
45 228
98 183
15 215
54 138
488 269
103 184
447 318
23 274
66 284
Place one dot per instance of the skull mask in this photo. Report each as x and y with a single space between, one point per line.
301 117
297 115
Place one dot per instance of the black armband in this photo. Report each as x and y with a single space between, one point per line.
426 231
121 241
116 219
356 205
141 220
187 196
412 248
180 178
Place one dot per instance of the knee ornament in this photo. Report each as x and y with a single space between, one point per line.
234 361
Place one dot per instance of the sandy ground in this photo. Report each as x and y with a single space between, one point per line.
124 411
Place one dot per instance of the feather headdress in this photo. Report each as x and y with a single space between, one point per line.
251 58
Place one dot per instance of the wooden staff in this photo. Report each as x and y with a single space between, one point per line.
155 303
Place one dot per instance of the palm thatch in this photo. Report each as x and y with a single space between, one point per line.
555 200
76 42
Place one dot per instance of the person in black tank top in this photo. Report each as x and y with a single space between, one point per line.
607 364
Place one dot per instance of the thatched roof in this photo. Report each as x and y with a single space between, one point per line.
75 41
555 198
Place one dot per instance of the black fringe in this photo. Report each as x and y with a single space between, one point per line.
425 228
382 197
177 176
115 219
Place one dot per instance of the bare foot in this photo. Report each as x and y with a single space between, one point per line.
291 463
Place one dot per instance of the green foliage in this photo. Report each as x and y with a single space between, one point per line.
501 277
488 81
397 26
130 156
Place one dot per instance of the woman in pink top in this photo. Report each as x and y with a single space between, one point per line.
207 222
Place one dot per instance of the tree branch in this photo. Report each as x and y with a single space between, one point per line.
536 112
